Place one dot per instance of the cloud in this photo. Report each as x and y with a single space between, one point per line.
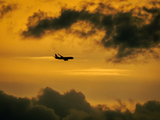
7 8
40 112
2 1
12 107
121 104
76 115
51 105
22 109
37 58
97 72
131 32
149 110
44 23
63 103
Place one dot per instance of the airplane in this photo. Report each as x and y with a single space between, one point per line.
61 57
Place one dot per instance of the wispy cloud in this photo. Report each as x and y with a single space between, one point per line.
6 8
45 58
37 58
2 1
97 72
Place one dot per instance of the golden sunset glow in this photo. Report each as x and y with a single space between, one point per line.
115 45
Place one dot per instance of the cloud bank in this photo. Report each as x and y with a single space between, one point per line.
51 105
130 31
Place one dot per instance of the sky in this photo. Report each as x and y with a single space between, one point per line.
115 45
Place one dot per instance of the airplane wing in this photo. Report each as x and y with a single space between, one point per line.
60 55
65 59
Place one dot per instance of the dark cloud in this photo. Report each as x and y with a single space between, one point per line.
118 115
67 18
6 8
2 1
148 111
40 112
155 2
121 105
12 107
126 32
63 103
131 101
51 105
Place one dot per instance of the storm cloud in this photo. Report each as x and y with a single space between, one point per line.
52 105
130 33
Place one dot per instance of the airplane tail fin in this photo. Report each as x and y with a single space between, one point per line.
56 56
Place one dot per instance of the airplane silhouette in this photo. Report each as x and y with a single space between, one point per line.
61 57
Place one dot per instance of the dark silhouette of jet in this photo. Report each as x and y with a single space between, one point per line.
61 57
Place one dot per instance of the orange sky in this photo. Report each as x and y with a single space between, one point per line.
28 64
